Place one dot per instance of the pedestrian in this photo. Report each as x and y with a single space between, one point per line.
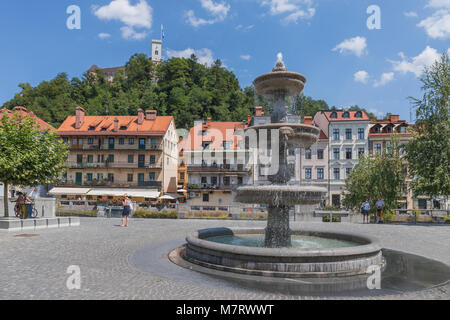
20 204
31 198
365 210
127 207
380 205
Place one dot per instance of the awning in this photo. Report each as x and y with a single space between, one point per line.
132 193
69 191
167 197
182 191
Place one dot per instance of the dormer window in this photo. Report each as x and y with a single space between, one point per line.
91 128
123 128
334 115
358 114
346 115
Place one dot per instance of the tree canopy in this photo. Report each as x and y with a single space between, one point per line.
180 87
28 155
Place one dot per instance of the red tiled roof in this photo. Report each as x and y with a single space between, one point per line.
216 133
23 112
104 125
340 116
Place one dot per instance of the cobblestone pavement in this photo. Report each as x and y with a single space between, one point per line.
131 263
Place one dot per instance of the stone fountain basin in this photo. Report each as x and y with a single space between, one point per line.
291 82
285 262
288 195
299 135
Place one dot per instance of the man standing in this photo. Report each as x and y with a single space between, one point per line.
31 199
365 209
380 207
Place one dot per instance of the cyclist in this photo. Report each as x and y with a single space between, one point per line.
31 201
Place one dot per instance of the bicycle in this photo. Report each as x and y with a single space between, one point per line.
18 211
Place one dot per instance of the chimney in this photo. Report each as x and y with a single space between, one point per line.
116 125
308 120
79 117
249 119
140 116
394 118
208 122
150 115
259 111
21 109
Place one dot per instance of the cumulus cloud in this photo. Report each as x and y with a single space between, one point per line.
218 11
204 56
361 76
103 35
246 57
416 64
293 10
135 16
411 14
437 26
385 79
356 45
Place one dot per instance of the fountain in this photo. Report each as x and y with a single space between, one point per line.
332 261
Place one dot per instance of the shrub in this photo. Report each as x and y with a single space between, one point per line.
76 213
207 215
389 216
144 214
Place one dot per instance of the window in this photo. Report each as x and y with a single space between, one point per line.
131 141
66 140
152 176
320 174
182 175
336 134
348 134
130 177
206 197
121 141
336 153
111 177
378 148
90 158
111 158
320 154
100 159
346 115
402 129
90 141
153 142
361 152
226 145
89 177
79 158
141 144
358 115
240 181
204 180
214 181
80 142
130 158
361 134
152 160
348 153
308 173
334 115
226 181
347 172
308 154
99 176
337 174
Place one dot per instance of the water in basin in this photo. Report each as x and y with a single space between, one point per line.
304 242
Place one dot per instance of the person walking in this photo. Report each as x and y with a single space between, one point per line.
31 198
127 207
365 210
380 205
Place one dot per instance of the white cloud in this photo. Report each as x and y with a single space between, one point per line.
204 56
356 45
139 15
103 35
437 26
439 4
246 57
247 28
219 11
377 113
385 79
130 33
361 76
416 64
411 14
293 9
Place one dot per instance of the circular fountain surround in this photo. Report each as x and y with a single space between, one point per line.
331 263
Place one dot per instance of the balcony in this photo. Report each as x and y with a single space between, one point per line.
112 184
224 168
116 147
211 187
150 184
114 165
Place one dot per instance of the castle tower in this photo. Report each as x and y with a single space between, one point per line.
156 51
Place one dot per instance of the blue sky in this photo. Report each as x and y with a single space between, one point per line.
328 41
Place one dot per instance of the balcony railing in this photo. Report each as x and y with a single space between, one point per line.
219 168
154 184
116 147
205 186
106 183
115 165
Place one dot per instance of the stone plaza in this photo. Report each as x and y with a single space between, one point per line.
132 263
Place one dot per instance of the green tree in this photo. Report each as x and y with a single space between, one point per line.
378 176
28 155
429 153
